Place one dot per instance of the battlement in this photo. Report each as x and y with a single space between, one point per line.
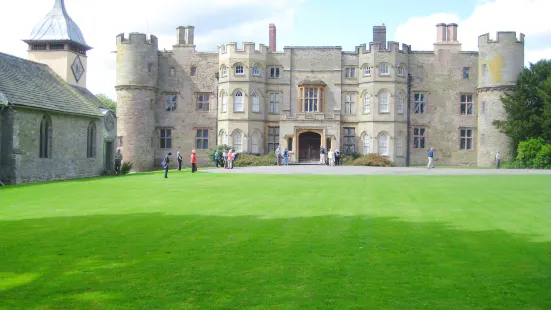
137 38
245 48
502 37
390 47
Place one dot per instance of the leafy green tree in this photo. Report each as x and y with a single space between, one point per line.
528 108
107 102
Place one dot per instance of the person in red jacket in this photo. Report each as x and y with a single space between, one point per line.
193 161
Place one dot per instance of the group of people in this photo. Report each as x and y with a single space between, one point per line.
332 158
282 155
226 159
166 161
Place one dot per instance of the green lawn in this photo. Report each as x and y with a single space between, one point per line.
209 241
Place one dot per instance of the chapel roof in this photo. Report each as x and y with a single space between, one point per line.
57 26
34 85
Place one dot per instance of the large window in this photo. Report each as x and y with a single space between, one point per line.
349 103
367 104
203 102
466 104
238 102
237 141
166 138
170 102
273 138
419 138
349 72
419 103
274 102
91 141
311 98
383 145
202 139
367 149
256 102
383 102
349 140
466 139
45 137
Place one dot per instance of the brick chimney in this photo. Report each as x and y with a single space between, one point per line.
379 35
272 37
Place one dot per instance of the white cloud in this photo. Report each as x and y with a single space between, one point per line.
101 20
489 16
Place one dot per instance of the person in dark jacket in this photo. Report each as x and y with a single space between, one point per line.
165 163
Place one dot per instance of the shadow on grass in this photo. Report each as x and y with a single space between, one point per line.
156 261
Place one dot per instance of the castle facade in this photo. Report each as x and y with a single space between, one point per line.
380 98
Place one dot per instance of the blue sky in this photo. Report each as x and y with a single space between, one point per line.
299 22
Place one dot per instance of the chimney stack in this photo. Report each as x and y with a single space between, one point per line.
379 36
180 35
272 38
441 33
190 34
452 32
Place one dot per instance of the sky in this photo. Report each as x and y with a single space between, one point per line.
346 23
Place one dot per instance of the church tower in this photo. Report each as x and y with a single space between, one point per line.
57 41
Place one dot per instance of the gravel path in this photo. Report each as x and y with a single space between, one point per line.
352 170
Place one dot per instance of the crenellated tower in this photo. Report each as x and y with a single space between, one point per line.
136 86
499 65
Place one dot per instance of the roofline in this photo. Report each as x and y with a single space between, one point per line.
85 46
56 111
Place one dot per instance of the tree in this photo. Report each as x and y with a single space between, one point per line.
107 102
528 108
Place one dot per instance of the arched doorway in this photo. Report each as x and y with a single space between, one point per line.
309 146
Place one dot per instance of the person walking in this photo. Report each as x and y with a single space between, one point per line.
179 158
431 158
165 163
193 161
498 160
286 157
118 161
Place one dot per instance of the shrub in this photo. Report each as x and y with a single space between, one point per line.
126 167
543 158
373 160
346 159
513 164
534 153
246 160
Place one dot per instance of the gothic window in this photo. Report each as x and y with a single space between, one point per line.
401 70
349 143
273 138
91 141
366 145
224 71
400 103
237 141
166 138
274 103
202 139
383 102
170 102
419 138
311 98
203 102
466 104
45 138
383 145
367 70
419 103
255 145
239 70
367 103
238 102
224 103
256 71
256 103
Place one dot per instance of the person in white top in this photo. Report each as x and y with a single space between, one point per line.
330 157
497 159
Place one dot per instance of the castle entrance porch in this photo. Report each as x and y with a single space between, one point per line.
309 143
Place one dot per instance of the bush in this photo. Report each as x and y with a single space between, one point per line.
373 160
126 167
534 153
346 159
246 160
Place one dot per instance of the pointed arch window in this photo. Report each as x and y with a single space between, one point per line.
366 149
224 138
383 102
367 104
256 71
237 141
383 145
256 103
239 70
91 141
224 71
45 138
400 103
224 103
238 102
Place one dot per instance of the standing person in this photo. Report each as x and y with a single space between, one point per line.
193 161
179 158
337 157
431 158
330 157
225 158
118 161
165 163
230 161
322 155
277 154
498 160
217 158
286 157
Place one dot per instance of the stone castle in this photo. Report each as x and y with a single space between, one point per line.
380 98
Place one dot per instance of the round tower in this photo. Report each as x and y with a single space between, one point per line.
500 62
136 86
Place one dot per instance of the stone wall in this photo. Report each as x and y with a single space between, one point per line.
7 158
68 150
